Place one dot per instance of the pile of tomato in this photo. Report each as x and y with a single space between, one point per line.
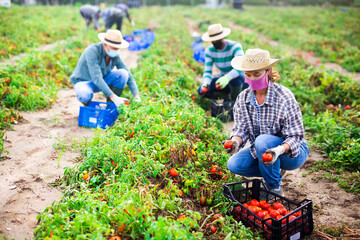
267 213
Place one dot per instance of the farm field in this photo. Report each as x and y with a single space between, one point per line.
149 176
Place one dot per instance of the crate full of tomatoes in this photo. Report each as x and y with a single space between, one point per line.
277 217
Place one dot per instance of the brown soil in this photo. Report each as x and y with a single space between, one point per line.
32 162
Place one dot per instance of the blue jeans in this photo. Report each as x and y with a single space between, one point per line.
236 83
85 90
242 163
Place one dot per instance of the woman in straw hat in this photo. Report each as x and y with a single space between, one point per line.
231 81
94 70
268 115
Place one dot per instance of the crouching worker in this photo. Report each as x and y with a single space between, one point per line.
94 71
268 115
230 83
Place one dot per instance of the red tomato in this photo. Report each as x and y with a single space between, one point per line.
255 203
214 169
267 157
274 213
297 213
291 218
228 144
270 209
218 87
173 172
282 211
347 107
287 212
216 216
265 205
204 90
202 201
181 217
277 205
193 98
262 214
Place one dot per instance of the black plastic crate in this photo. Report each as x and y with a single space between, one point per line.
243 192
222 110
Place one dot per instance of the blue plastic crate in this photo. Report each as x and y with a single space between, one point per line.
98 114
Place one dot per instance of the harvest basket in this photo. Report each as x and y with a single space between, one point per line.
98 114
222 110
283 228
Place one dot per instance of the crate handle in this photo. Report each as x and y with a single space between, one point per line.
226 188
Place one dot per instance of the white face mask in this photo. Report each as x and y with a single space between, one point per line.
112 53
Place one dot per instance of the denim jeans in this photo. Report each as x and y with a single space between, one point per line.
242 163
236 83
85 90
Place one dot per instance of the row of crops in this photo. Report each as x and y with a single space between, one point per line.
140 178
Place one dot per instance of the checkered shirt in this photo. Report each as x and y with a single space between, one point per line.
280 115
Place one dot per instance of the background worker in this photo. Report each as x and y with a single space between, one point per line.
125 9
90 14
268 115
231 81
111 16
94 70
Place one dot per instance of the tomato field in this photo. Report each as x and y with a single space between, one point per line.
159 171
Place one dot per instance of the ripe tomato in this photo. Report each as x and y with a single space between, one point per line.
277 205
193 98
122 228
228 144
204 90
127 103
202 201
267 157
255 203
270 209
278 217
181 217
282 211
287 212
213 229
214 169
291 218
347 107
264 205
216 216
86 176
274 213
115 238
297 213
173 172
218 87
262 214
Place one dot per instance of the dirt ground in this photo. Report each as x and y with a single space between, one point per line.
32 162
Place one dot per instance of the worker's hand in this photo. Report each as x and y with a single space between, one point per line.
234 149
204 88
223 81
137 99
132 23
119 100
275 152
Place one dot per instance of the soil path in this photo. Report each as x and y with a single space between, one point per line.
328 199
32 162
309 58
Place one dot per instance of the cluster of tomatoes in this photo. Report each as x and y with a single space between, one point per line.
265 210
216 173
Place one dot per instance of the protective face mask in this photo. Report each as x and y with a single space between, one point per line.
112 53
217 44
258 84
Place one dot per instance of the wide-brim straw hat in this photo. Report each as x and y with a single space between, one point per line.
113 38
253 60
215 32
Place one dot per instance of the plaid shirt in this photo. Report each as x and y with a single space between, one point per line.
279 115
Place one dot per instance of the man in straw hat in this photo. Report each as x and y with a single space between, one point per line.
231 81
268 115
94 70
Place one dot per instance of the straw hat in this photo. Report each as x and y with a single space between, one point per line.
113 38
254 59
215 32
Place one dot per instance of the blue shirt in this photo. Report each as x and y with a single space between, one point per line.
108 12
92 67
